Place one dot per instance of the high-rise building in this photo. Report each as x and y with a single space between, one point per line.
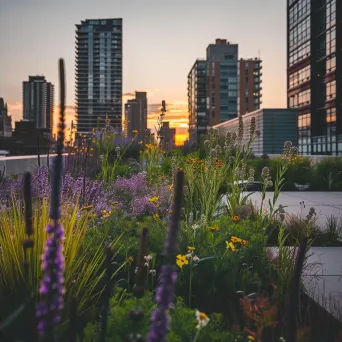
249 85
136 117
222 65
5 120
38 102
98 73
167 136
314 82
221 87
197 100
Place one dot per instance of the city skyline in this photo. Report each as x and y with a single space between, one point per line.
160 45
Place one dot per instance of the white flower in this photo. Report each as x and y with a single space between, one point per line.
195 226
196 258
202 319
189 255
148 258
153 272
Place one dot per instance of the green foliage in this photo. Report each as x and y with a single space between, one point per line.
300 171
183 322
82 268
325 175
329 174
151 157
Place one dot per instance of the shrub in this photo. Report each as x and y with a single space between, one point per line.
329 174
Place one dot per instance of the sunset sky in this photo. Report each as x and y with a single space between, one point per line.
161 41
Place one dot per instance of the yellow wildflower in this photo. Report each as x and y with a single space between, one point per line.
93 215
213 229
153 199
130 259
135 131
155 216
236 239
236 218
87 208
181 260
191 249
230 245
251 338
106 213
115 203
170 187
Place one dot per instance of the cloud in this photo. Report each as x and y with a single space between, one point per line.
129 94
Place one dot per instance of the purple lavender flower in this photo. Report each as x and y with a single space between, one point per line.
159 318
52 285
168 278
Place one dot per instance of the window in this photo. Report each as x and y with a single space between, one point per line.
331 13
301 99
304 121
229 56
299 34
330 90
299 54
304 135
300 76
298 12
331 115
331 41
331 64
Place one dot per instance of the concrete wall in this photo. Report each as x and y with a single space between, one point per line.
21 164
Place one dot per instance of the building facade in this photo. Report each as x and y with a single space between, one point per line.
5 120
314 82
220 87
222 64
249 85
276 126
98 73
38 102
136 117
167 136
197 100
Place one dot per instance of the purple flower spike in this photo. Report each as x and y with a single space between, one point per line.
159 318
52 285
51 289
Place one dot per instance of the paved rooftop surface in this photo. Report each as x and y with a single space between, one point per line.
322 277
325 203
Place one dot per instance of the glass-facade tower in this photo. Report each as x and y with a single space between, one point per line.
98 73
314 73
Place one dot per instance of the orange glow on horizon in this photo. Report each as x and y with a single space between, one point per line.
176 115
180 138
